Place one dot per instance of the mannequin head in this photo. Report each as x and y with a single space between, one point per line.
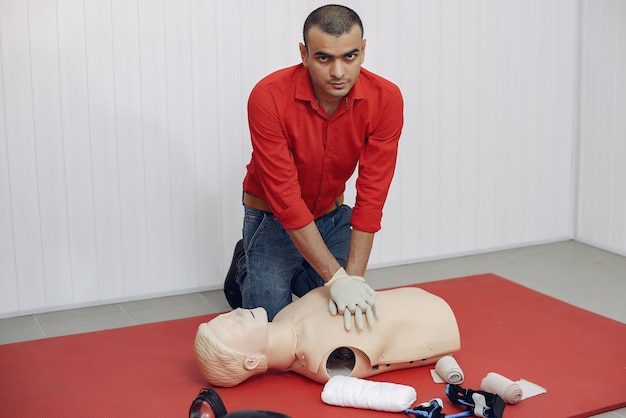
236 342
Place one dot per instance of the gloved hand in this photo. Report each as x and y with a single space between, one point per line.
350 295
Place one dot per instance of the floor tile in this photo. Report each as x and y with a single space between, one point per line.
166 308
217 301
81 320
21 328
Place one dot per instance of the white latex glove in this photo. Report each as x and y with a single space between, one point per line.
351 296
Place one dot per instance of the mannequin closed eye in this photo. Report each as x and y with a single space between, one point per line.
244 330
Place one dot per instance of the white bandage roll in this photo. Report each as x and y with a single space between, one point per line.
360 393
449 370
509 391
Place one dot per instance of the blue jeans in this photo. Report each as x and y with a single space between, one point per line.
273 268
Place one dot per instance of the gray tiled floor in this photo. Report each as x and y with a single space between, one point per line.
576 273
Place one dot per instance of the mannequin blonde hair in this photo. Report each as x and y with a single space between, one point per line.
231 370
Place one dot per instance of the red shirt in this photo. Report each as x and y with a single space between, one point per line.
301 158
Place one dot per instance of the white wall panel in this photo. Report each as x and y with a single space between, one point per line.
205 125
101 89
49 145
22 155
234 44
486 154
124 135
8 275
130 146
74 99
155 126
602 192
182 143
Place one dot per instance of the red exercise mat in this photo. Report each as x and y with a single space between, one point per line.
150 370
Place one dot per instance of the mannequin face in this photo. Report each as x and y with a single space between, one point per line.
243 330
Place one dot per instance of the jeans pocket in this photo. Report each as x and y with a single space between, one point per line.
253 224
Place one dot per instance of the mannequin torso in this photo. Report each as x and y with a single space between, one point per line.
415 328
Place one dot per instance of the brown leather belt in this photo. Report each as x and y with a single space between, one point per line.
257 203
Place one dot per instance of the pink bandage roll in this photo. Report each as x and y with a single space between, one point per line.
508 390
449 370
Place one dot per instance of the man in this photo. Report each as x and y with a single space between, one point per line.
310 125
418 329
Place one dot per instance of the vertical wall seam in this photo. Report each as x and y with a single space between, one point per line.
65 181
615 118
38 187
169 139
8 168
218 128
577 122
439 135
479 110
143 147
93 188
194 139
117 153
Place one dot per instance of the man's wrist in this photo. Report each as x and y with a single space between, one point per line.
338 274
341 273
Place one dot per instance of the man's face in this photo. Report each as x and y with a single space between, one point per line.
334 63
243 330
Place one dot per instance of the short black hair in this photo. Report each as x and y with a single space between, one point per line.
332 19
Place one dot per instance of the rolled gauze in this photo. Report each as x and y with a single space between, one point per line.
360 393
449 370
509 391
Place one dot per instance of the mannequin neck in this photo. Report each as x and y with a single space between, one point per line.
281 347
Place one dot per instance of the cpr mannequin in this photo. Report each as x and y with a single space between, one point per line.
415 328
